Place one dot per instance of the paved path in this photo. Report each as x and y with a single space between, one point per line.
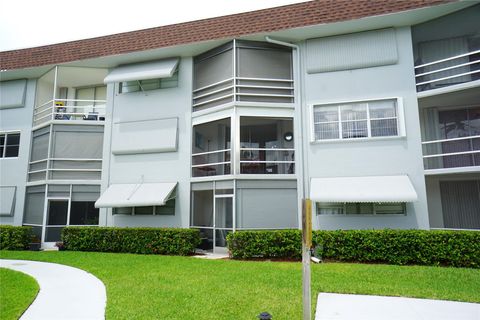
360 307
65 292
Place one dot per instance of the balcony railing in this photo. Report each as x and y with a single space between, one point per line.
451 153
211 163
267 161
245 90
449 71
69 109
64 168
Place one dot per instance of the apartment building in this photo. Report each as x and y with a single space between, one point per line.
226 124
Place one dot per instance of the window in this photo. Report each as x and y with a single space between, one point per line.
356 120
166 210
360 208
9 144
83 213
150 84
211 148
266 146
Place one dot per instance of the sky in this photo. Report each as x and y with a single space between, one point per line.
31 23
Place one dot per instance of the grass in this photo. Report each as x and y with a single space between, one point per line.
17 291
166 287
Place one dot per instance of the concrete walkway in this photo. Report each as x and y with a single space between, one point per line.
65 292
360 307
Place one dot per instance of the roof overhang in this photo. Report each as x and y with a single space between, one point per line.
379 189
136 195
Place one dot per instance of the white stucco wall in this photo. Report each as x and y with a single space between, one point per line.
171 166
396 156
13 171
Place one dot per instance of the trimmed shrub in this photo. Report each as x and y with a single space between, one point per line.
15 238
422 247
168 241
283 244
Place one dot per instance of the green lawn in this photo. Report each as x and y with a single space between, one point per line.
17 291
164 287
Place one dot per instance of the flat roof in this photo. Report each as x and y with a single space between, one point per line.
225 27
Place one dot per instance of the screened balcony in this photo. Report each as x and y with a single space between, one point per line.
243 71
451 138
70 94
447 51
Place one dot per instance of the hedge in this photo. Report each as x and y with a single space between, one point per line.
422 247
15 238
168 241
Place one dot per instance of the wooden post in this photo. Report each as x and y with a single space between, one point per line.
306 245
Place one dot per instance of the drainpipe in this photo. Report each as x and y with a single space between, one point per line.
299 95
306 203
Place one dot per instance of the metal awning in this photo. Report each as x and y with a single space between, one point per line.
136 195
363 189
143 71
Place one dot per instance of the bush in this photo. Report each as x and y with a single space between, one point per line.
265 244
171 241
422 247
15 238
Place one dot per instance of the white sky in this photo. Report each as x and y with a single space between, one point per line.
30 23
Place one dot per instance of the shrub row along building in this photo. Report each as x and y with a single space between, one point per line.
372 109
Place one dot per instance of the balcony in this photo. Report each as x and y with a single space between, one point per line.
463 152
70 94
69 110
451 137
243 72
453 70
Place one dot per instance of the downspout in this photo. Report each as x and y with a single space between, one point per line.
305 220
299 95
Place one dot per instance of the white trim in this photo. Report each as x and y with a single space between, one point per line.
441 171
213 84
452 139
448 89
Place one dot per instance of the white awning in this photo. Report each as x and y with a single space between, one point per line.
136 195
143 71
363 189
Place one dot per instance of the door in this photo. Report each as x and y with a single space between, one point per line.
223 222
57 217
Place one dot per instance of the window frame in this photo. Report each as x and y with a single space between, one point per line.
4 145
401 131
174 78
343 206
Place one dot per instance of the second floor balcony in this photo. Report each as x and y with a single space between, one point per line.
70 94
447 52
452 140
69 110
452 69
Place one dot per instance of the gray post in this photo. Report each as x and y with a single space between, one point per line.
306 245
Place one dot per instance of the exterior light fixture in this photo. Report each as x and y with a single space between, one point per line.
288 136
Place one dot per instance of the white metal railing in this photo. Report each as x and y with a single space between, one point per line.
69 109
267 160
244 89
50 169
447 71
452 153
206 163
